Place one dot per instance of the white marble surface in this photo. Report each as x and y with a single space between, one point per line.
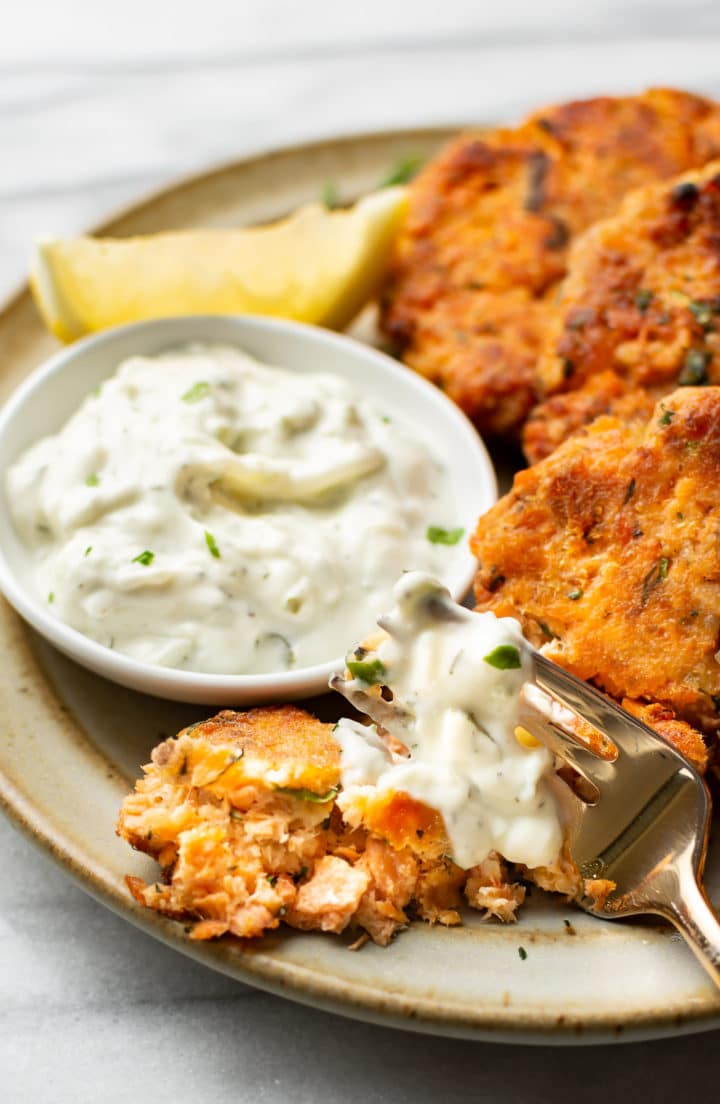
98 103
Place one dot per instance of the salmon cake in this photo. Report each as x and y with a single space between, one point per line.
639 308
491 221
607 554
241 813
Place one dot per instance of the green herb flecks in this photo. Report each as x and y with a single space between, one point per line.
694 369
402 172
643 299
703 312
145 558
436 535
308 795
505 657
234 758
88 550
92 480
575 595
547 631
370 671
272 878
197 392
656 575
523 953
212 546
329 195
667 415
51 597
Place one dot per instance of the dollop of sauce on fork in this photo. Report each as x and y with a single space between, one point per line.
451 683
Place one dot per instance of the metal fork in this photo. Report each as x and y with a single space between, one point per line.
644 820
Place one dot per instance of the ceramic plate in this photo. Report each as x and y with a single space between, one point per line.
71 744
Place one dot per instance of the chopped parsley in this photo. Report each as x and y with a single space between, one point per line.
272 878
574 595
51 596
655 576
436 535
329 194
309 795
523 953
402 172
667 415
145 558
643 299
210 542
702 313
370 671
88 550
505 657
694 369
547 631
197 392
92 480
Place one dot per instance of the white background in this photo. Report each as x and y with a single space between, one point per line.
98 103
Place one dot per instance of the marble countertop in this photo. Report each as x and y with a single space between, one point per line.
97 106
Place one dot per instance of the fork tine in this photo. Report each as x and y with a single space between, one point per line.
556 726
388 714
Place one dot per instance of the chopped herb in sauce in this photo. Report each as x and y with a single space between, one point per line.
210 542
370 671
667 415
655 576
694 369
272 878
643 299
329 194
88 550
436 535
92 480
547 631
51 597
574 595
523 953
145 558
197 392
402 172
505 657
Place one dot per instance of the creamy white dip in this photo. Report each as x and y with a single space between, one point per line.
455 678
207 512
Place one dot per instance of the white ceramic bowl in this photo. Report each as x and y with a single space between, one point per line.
47 399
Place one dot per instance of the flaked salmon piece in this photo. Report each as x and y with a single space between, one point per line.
490 889
331 897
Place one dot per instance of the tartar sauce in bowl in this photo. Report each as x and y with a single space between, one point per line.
205 511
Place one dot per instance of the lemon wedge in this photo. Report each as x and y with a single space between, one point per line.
316 266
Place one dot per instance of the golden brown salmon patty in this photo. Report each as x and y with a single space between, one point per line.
641 300
607 553
490 223
240 812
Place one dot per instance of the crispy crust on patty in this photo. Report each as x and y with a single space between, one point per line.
490 223
607 553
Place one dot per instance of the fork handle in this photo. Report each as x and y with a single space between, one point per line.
694 917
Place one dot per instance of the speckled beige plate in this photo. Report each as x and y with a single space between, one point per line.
71 744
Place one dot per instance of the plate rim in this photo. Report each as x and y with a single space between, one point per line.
252 965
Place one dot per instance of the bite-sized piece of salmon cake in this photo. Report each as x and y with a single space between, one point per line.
607 554
240 812
491 220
